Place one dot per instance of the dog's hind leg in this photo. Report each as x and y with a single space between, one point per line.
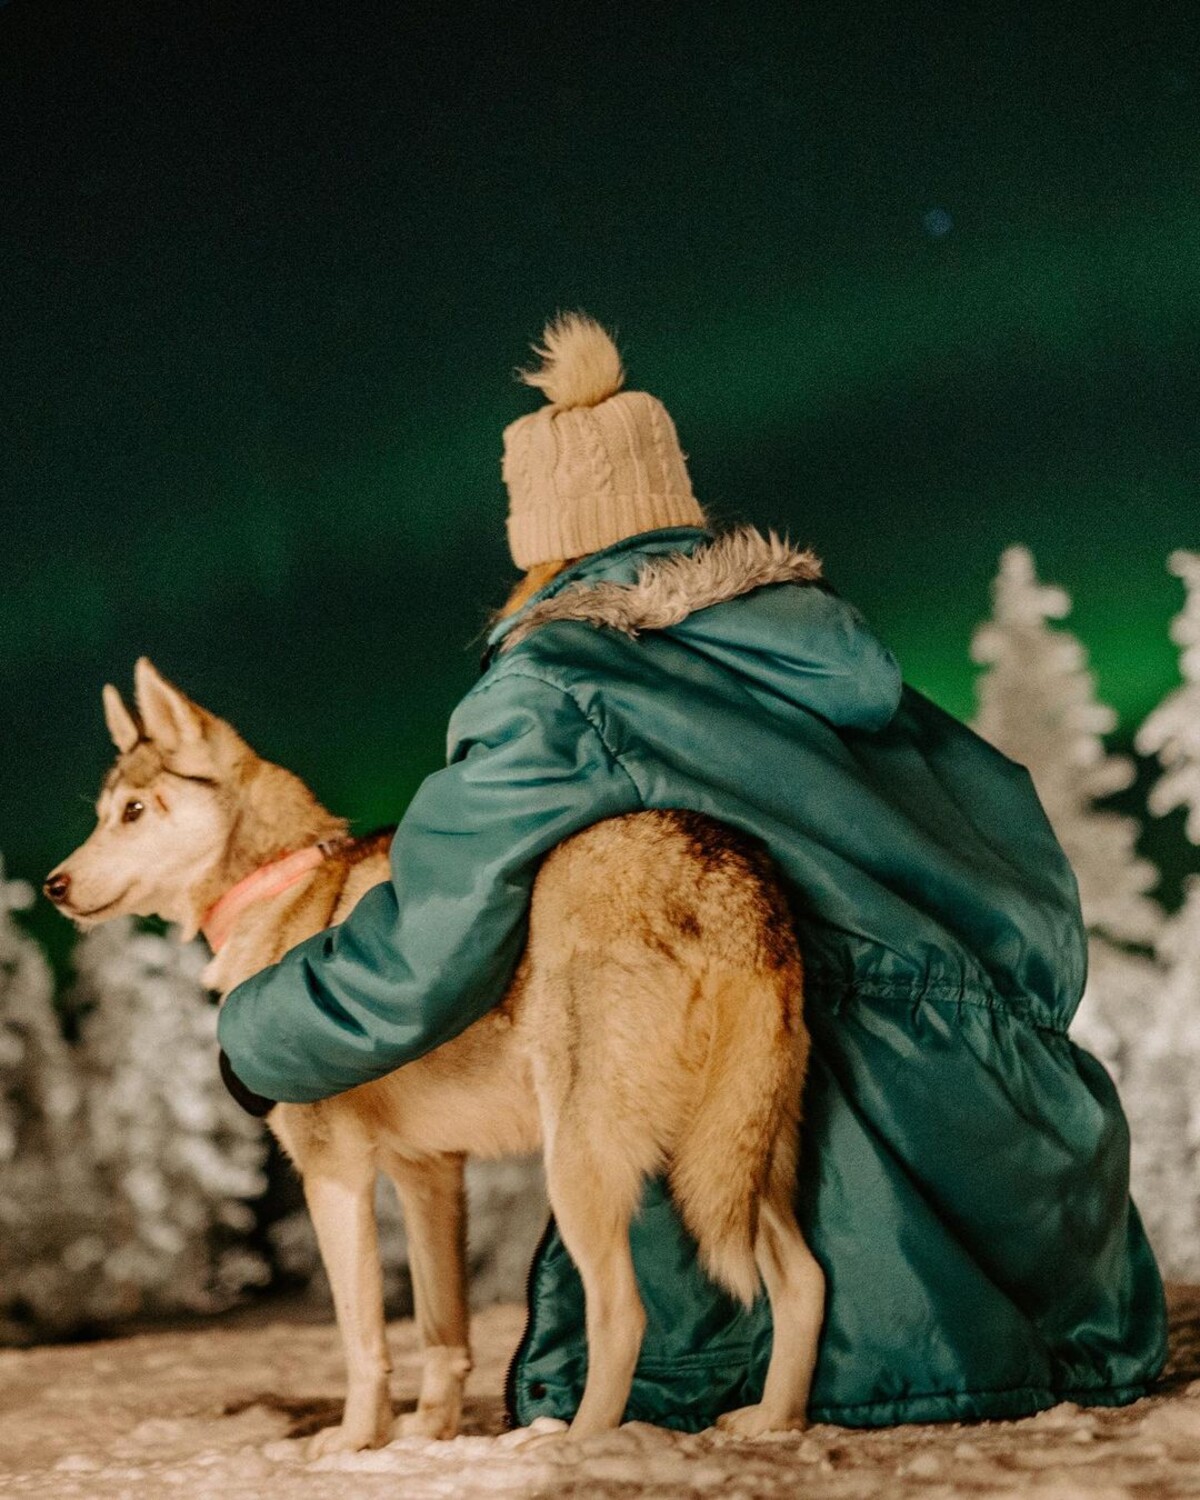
432 1195
795 1287
339 1187
593 1193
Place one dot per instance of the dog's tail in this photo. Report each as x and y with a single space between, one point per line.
741 1142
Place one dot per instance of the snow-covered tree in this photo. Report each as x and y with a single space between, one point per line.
1117 1009
37 1094
177 1160
1141 1011
1172 731
1038 704
45 1202
1163 1096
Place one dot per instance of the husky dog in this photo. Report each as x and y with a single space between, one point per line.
686 1055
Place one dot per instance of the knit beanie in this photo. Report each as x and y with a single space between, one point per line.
598 463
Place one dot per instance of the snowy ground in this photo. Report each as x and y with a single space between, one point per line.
221 1412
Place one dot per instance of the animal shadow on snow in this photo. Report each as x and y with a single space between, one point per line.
306 1415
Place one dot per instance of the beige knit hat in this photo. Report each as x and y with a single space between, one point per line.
597 464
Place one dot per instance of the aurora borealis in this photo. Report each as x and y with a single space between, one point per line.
914 286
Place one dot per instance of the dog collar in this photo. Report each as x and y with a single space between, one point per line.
268 880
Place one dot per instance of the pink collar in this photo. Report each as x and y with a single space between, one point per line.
267 880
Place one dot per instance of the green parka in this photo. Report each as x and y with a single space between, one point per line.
964 1175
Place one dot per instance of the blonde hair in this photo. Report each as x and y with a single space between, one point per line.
536 578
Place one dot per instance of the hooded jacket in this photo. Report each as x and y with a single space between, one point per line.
964 1166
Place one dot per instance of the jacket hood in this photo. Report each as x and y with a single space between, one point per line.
755 603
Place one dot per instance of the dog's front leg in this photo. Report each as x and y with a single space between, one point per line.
432 1196
339 1186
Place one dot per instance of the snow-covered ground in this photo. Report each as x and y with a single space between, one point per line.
222 1411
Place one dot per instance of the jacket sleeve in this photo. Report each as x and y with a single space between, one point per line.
427 952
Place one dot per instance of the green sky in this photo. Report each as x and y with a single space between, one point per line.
914 287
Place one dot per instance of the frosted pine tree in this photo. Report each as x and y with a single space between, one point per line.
1165 1094
178 1160
37 1095
1162 1098
1172 732
45 1205
1038 704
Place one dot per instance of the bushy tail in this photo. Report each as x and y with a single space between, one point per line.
741 1141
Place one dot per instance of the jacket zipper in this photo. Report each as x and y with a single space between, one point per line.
510 1378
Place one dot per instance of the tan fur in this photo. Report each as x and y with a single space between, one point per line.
654 1024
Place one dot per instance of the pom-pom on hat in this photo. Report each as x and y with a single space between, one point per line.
598 463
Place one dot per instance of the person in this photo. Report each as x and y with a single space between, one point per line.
964 1166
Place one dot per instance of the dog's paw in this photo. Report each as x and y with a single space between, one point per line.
331 1440
541 1431
757 1421
366 1423
344 1439
440 1421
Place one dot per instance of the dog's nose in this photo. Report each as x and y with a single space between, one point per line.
57 886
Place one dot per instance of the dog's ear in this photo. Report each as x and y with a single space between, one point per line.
121 724
172 720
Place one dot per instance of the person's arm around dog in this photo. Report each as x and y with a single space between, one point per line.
425 954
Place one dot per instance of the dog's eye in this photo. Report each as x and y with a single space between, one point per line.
133 811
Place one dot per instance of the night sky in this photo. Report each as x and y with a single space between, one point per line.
914 286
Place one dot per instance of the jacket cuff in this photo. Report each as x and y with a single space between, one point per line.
254 1104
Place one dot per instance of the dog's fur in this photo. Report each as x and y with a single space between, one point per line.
653 1024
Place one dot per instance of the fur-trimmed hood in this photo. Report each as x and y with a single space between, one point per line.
675 585
723 597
